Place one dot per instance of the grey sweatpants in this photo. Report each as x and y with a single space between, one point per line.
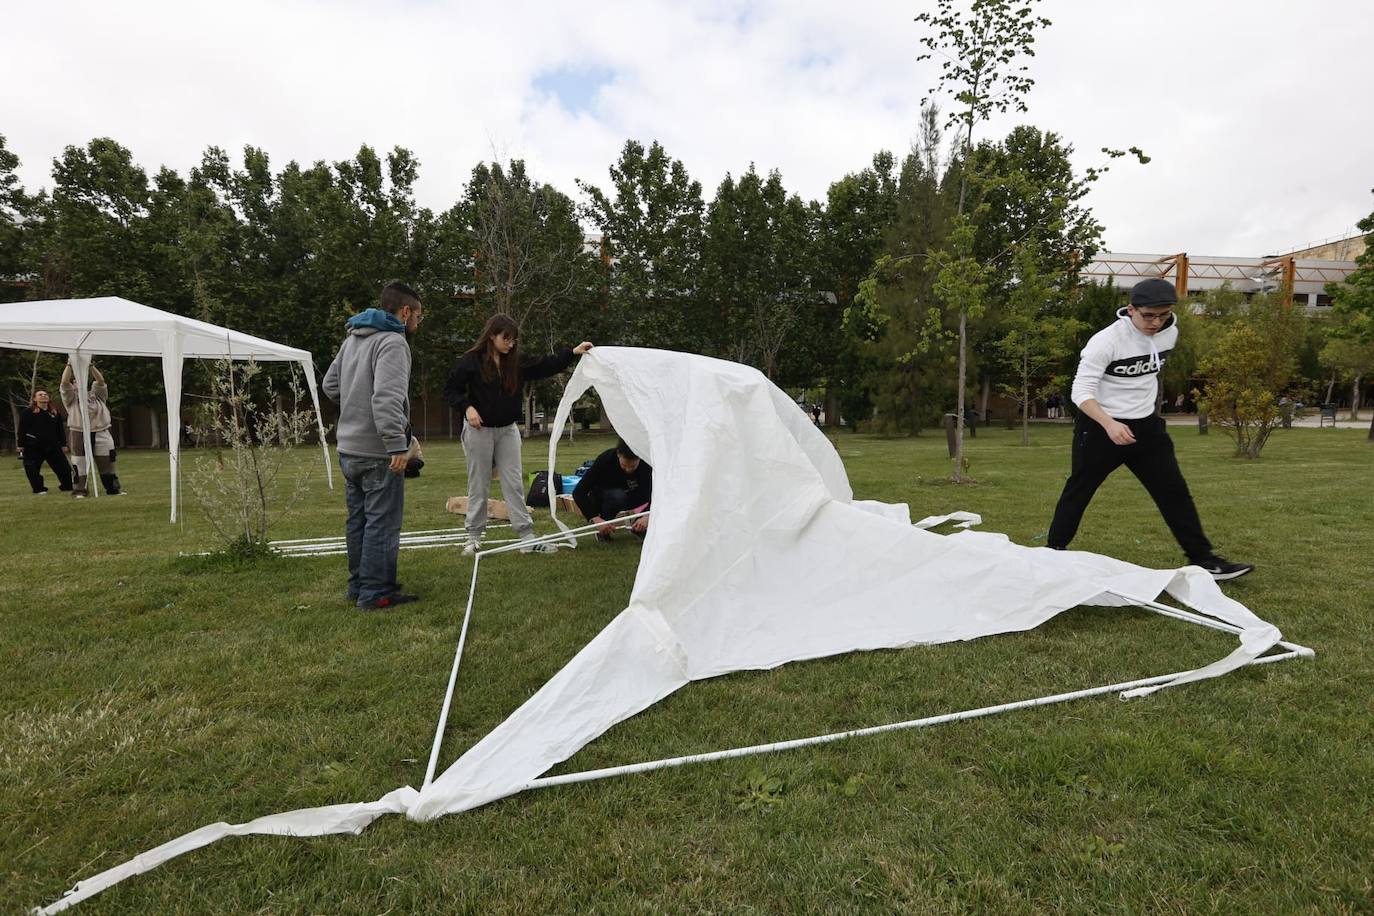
501 447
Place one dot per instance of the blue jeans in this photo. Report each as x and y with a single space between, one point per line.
375 498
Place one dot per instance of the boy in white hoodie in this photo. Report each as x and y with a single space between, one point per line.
1116 390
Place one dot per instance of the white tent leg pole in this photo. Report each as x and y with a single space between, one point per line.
171 384
82 365
1180 614
589 775
452 678
308 367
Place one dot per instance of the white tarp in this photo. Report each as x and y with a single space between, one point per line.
757 555
111 326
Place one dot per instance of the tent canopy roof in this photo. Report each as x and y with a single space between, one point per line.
112 326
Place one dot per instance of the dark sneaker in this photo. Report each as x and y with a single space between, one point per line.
1222 568
388 601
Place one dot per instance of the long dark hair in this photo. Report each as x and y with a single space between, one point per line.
493 364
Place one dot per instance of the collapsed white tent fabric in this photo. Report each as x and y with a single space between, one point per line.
111 326
757 555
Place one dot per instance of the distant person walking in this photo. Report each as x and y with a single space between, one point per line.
98 419
486 386
43 437
370 381
1116 390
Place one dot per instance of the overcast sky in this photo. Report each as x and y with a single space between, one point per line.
1257 115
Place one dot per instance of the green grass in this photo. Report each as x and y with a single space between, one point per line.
145 695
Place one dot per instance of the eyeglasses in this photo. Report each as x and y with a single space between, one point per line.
1156 316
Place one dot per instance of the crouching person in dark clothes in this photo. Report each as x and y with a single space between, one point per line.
618 482
1116 390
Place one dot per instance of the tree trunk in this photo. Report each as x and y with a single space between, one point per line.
1025 398
958 476
1330 387
155 441
1355 397
986 394
832 407
14 418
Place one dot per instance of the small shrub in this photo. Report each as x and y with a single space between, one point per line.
246 478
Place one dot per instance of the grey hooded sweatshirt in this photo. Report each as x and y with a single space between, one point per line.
370 381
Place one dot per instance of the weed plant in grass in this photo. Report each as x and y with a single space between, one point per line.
147 694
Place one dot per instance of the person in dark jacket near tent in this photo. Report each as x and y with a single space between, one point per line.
1117 390
618 481
43 437
486 386
370 381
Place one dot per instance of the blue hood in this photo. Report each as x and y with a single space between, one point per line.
377 319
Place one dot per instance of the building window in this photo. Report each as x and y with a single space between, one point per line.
1301 299
1323 301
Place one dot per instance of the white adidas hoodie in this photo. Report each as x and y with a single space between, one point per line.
1119 368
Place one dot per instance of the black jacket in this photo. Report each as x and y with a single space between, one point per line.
40 432
466 387
607 474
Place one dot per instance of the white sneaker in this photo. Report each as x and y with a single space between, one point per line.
538 548
472 547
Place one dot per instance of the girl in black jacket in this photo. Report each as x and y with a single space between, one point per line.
43 437
486 387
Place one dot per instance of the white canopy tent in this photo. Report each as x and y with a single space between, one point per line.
111 326
757 556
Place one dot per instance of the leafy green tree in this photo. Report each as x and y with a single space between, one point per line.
653 220
90 246
1249 364
758 264
14 209
1353 300
982 50
906 338
1351 358
859 213
1036 337
530 247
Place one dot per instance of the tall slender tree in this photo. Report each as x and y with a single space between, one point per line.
652 218
983 49
1353 300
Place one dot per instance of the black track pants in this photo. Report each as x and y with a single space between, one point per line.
1151 459
33 465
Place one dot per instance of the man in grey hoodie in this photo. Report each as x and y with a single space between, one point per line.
370 381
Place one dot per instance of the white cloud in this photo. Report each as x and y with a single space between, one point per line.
1254 117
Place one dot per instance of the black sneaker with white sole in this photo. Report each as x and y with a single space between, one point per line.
1222 568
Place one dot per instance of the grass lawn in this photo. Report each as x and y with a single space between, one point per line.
146 694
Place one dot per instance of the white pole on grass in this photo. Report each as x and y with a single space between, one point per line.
589 775
452 677
467 615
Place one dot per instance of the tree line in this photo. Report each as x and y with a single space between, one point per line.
859 295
